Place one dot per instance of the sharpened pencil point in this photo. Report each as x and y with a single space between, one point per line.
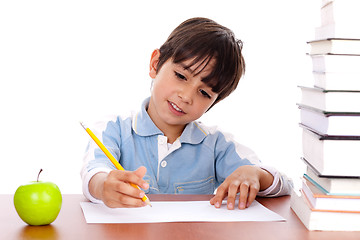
83 125
147 201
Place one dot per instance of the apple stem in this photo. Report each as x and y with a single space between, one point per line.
38 175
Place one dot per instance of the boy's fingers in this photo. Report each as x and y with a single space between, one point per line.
232 191
219 196
132 177
121 187
119 182
127 189
244 190
140 172
124 201
254 189
128 201
120 194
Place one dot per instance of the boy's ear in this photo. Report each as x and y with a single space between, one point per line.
154 60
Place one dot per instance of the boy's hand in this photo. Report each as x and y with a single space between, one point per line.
115 191
248 180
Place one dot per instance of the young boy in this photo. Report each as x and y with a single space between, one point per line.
163 148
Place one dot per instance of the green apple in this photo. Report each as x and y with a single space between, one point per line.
38 203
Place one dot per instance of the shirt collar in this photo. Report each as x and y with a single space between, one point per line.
142 123
193 134
144 126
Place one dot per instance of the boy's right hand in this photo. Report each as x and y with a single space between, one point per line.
115 191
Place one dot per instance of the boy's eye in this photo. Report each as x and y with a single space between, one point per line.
180 76
204 93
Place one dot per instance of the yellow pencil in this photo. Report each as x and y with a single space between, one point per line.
112 159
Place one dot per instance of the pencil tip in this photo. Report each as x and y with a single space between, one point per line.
147 201
82 124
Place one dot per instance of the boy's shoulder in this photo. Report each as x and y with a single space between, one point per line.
213 130
224 139
215 134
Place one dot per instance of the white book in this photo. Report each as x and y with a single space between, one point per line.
337 31
339 63
319 201
337 81
324 221
342 12
329 100
335 46
324 2
333 156
335 185
330 123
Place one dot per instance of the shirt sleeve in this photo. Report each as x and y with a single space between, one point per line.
281 185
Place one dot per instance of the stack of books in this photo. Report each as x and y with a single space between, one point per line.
329 198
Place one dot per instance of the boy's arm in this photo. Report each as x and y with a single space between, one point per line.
95 161
256 179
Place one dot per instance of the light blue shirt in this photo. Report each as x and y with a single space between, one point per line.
196 163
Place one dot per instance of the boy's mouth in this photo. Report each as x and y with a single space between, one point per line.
176 108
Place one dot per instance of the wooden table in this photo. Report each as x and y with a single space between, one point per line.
71 224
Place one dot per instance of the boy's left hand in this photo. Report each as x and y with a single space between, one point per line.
248 180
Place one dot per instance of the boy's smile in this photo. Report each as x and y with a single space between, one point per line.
175 109
178 94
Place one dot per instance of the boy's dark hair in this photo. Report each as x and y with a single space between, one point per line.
203 39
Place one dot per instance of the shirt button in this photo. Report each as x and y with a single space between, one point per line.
163 163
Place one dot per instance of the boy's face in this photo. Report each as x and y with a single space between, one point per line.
178 94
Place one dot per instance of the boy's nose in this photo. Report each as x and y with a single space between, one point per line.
186 95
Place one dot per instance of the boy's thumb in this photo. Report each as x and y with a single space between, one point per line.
140 172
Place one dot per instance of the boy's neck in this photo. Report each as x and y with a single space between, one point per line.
172 136
172 132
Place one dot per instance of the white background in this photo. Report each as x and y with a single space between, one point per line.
66 61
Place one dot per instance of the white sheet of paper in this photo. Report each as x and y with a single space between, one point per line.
184 211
